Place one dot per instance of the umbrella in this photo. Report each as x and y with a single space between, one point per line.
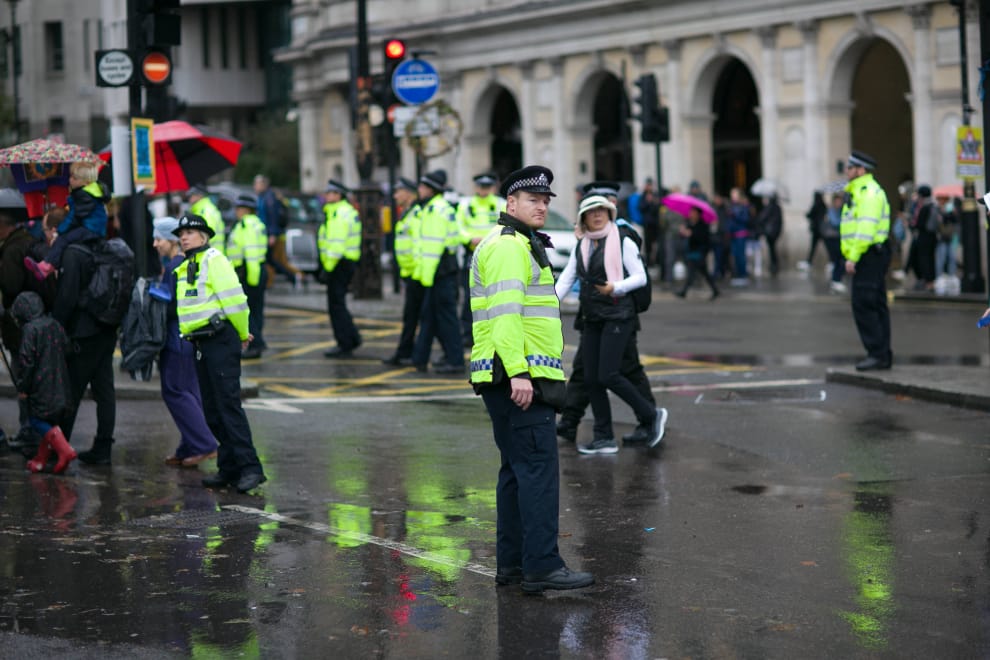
951 190
768 188
187 154
46 151
834 187
682 204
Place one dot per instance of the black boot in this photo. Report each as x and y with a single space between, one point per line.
99 453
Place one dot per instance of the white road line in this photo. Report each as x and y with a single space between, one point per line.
365 538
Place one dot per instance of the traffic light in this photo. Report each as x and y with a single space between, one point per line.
653 119
159 25
393 52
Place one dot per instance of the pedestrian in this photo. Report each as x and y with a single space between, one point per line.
816 217
771 223
654 244
609 267
406 237
721 240
275 217
177 363
476 215
90 356
437 272
947 211
698 237
517 370
925 231
739 230
247 245
339 244
202 205
864 230
213 315
42 379
830 235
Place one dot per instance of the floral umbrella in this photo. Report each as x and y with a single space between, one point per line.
46 151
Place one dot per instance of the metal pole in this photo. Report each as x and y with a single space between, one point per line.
16 42
135 43
984 18
368 281
656 146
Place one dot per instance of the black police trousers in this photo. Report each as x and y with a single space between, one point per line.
869 302
412 308
218 369
344 331
528 491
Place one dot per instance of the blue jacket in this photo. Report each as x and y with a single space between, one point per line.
87 208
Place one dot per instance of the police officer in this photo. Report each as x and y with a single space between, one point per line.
476 215
213 314
406 236
436 270
864 229
516 367
247 247
200 204
339 244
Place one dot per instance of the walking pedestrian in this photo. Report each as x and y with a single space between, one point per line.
213 315
696 256
406 238
816 216
830 234
339 244
275 217
771 223
609 267
864 230
246 249
739 229
516 368
925 226
177 363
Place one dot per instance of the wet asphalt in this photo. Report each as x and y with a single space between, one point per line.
783 517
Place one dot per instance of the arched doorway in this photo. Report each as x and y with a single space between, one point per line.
736 129
881 122
613 159
506 131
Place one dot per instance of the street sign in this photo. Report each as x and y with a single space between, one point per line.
143 152
415 82
114 68
156 67
412 121
969 152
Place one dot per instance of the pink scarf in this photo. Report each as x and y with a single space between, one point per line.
613 250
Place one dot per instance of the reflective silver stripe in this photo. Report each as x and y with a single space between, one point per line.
201 315
505 285
428 239
541 290
859 237
534 311
228 293
233 309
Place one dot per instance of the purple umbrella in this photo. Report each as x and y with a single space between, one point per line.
682 204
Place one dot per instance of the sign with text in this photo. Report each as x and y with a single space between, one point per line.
969 152
114 68
415 82
143 152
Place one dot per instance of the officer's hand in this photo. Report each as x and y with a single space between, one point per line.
522 392
247 342
850 267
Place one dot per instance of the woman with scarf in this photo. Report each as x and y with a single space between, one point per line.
609 267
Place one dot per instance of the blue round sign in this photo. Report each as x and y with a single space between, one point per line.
415 82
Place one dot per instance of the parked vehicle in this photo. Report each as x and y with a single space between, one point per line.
561 233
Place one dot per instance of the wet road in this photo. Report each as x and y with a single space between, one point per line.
784 517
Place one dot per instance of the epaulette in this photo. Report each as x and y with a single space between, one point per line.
508 231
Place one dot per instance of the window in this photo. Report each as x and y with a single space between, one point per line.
56 125
224 56
204 16
54 55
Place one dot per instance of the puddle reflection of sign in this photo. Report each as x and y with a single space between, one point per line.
143 152
969 152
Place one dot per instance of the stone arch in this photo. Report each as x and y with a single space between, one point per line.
480 142
599 117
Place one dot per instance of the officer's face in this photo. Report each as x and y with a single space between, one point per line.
529 207
854 171
190 239
425 192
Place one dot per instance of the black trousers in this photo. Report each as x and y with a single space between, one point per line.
91 364
218 369
603 344
412 307
528 491
256 306
577 393
344 331
439 320
694 266
869 302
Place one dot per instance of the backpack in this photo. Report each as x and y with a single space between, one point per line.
643 296
108 294
281 214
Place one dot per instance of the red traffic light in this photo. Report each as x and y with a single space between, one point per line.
395 49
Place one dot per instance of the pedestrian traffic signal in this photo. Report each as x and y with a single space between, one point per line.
160 27
393 52
654 120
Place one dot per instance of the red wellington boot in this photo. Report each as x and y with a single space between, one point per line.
40 460
66 454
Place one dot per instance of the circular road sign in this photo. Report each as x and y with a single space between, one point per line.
415 82
114 67
156 67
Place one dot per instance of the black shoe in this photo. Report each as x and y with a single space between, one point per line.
439 362
715 294
217 480
680 294
448 369
99 453
251 354
561 579
421 368
250 481
506 576
639 436
872 364
392 361
337 352
659 427
567 431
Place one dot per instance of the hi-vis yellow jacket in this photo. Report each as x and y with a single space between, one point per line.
248 245
339 236
406 236
865 217
215 289
206 209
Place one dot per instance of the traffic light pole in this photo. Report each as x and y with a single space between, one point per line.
136 44
656 147
984 18
368 282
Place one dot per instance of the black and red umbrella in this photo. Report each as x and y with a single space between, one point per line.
187 154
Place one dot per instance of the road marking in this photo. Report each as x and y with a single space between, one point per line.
409 550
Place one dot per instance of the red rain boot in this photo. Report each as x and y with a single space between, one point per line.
66 454
40 460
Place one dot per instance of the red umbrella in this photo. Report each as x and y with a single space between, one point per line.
948 190
187 154
682 204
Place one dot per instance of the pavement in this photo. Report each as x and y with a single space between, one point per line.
958 385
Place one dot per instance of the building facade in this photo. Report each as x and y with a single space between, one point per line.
755 88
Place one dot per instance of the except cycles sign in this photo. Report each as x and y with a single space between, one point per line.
114 68
415 82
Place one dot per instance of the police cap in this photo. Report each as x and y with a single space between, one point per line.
336 186
862 159
247 201
193 221
604 188
534 178
486 179
436 179
407 184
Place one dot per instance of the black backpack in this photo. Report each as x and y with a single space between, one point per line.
643 296
108 294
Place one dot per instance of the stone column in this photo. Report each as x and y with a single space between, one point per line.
563 163
674 153
769 114
527 113
813 120
308 109
921 94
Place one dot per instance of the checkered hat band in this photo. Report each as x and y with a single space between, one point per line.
531 182
853 160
